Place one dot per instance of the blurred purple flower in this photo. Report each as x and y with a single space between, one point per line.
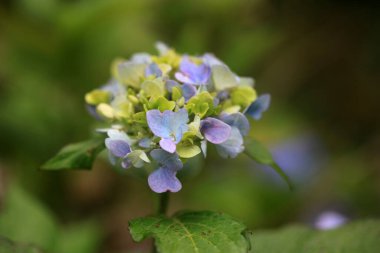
330 220
192 73
164 178
301 157
168 125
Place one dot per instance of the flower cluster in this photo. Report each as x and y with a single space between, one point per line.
166 108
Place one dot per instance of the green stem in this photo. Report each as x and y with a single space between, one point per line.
163 203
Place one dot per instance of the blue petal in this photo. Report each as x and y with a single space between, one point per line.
232 146
118 148
153 69
92 111
114 88
168 145
163 180
260 105
192 73
223 95
166 159
188 91
237 120
158 123
126 163
141 58
168 124
214 130
145 142
170 84
211 60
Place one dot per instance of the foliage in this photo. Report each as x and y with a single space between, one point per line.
76 156
360 236
192 232
27 226
260 154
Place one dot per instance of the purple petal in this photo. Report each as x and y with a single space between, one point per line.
170 84
159 124
188 91
168 124
163 180
260 105
192 73
118 148
145 143
223 95
214 130
166 159
92 110
232 146
237 120
182 78
153 69
168 145
126 163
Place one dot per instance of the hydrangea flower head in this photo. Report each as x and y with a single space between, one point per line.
164 109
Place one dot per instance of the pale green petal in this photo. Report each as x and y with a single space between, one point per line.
96 97
201 104
105 110
232 109
138 158
176 93
243 96
129 73
248 81
154 87
165 68
223 78
161 103
187 150
194 129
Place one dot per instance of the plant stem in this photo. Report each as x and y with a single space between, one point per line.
163 203
162 208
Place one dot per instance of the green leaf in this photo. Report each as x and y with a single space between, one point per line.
26 226
359 236
258 152
9 246
24 220
76 156
192 232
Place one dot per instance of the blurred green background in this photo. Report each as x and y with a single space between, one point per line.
319 60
